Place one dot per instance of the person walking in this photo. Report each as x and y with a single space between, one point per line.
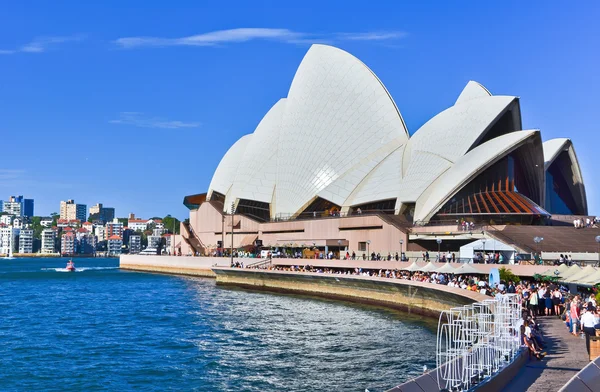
588 323
574 315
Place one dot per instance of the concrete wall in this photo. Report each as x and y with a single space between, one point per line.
207 221
199 266
413 297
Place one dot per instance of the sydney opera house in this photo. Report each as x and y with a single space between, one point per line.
333 164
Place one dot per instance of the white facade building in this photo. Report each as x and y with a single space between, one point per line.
46 222
26 241
100 233
6 219
48 237
8 240
137 224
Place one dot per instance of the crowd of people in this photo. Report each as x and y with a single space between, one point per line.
581 223
538 299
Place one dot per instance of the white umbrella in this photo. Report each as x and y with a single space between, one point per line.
411 268
583 274
468 269
552 271
574 269
429 267
590 280
447 268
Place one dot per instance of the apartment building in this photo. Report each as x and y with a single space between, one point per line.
26 241
48 236
70 210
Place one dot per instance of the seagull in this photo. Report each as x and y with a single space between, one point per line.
424 368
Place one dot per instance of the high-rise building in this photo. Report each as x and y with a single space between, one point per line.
71 211
114 228
18 206
101 213
26 241
48 236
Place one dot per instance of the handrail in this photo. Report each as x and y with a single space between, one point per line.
260 263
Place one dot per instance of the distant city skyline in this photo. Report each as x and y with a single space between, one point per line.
134 106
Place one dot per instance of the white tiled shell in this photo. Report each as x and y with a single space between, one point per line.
466 168
341 190
226 171
444 139
337 111
552 148
257 173
382 183
451 133
471 91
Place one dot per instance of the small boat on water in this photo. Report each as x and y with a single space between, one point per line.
70 266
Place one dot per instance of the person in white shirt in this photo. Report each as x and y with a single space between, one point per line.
588 323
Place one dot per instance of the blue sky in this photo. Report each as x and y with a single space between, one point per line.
110 102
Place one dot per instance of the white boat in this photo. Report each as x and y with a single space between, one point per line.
148 252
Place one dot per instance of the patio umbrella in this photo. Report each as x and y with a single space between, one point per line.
574 269
552 271
590 280
583 274
411 268
468 269
447 268
429 267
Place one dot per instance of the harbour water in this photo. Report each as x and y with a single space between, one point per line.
102 328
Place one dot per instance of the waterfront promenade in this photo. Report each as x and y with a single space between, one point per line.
566 357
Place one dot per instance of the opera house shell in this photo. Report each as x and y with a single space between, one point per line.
338 143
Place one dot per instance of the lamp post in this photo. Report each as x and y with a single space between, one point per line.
439 242
483 240
339 249
232 211
401 243
598 241
368 254
538 241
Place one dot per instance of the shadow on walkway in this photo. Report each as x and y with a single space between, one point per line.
567 355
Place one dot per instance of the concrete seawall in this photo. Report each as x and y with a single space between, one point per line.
413 297
196 266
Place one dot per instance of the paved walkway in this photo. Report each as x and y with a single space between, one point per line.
566 356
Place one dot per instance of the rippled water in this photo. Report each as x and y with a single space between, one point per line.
102 328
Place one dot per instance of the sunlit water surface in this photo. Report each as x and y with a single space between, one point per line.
102 328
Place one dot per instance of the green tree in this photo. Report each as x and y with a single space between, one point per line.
507 275
54 217
171 224
36 225
124 221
